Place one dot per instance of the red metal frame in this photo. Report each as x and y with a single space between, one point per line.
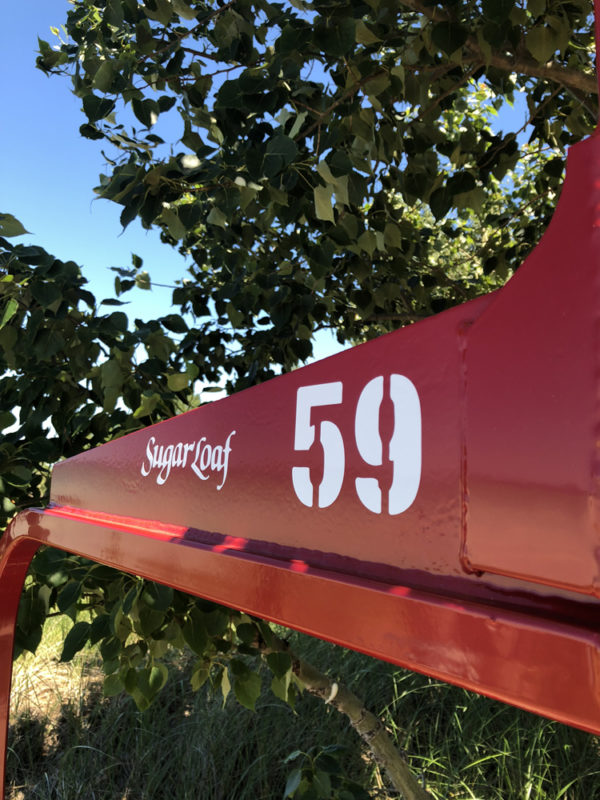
430 498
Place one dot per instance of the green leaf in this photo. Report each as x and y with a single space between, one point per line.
292 783
97 108
200 676
7 420
554 167
449 36
247 689
150 621
236 317
461 182
367 241
113 685
100 628
283 689
142 280
10 226
377 85
440 202
293 756
104 76
497 10
322 784
281 151
279 663
162 13
298 123
217 217
141 701
247 633
130 680
174 225
157 678
323 208
177 382
111 380
148 402
148 684
536 7
184 10
69 595
158 345
337 37
541 42
90 132
146 111
114 13
110 648
174 323
157 596
75 640
392 235
116 322
46 293
225 685
364 35
194 633
10 310
18 475
111 376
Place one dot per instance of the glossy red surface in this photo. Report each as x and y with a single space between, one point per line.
429 498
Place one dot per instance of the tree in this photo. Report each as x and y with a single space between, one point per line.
336 168
306 131
75 378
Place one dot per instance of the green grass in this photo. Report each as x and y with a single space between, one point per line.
67 741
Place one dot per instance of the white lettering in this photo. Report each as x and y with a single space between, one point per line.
195 466
206 459
216 462
167 457
178 455
227 451
147 470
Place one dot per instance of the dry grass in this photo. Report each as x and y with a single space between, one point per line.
41 684
68 742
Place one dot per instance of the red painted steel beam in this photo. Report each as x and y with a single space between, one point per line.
459 453
429 498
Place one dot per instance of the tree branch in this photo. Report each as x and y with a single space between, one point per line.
569 78
366 724
321 115
524 65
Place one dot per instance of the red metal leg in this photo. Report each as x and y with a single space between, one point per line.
15 557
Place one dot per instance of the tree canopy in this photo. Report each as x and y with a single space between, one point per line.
334 164
330 165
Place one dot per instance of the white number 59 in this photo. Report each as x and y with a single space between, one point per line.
404 448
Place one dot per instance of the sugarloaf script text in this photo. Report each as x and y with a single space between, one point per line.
205 459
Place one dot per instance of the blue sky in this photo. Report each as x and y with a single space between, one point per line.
48 171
